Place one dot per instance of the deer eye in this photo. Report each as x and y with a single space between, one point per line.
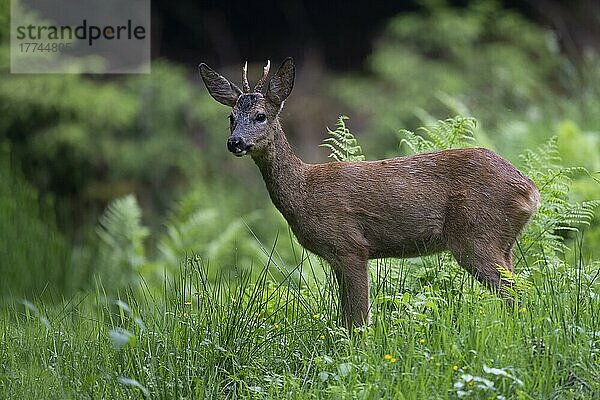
260 117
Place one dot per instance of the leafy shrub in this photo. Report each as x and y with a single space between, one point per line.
452 133
480 60
206 223
88 140
558 214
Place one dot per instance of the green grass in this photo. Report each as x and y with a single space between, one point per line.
435 334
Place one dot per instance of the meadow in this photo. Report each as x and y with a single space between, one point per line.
138 259
255 338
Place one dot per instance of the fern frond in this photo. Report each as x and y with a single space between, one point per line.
197 226
558 214
450 133
342 143
415 143
121 228
122 235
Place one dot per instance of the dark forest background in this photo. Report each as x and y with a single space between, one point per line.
338 34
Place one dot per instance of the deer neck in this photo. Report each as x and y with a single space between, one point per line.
284 175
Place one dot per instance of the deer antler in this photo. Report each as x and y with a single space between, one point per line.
245 85
261 81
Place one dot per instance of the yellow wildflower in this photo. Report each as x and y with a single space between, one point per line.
317 316
523 309
455 367
393 360
422 341
188 303
387 357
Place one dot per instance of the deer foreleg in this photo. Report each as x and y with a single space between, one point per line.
352 275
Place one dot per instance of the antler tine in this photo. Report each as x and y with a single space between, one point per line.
262 80
245 84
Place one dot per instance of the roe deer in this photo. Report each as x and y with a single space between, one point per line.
469 201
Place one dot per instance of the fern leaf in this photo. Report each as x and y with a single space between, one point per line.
558 214
122 235
342 143
450 133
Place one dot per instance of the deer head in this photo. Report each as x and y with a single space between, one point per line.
254 117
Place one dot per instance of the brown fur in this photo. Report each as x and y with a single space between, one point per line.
471 201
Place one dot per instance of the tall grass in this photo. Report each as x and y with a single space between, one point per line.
250 336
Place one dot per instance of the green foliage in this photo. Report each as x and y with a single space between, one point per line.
4 35
558 214
206 227
90 141
582 148
342 143
454 132
35 259
578 148
122 235
479 60
205 223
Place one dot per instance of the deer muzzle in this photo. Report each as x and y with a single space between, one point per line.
237 146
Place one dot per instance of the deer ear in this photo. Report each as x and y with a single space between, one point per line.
219 87
282 83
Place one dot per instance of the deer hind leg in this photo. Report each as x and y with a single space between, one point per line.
352 275
484 261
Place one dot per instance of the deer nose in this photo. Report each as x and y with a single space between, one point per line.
236 145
